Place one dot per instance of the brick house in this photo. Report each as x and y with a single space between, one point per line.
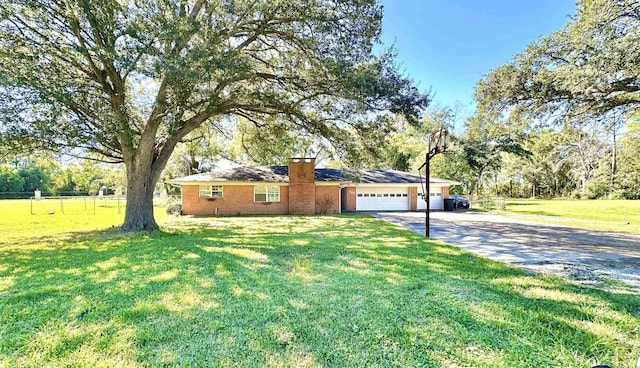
301 189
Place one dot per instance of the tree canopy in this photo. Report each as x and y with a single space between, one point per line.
583 79
586 70
129 80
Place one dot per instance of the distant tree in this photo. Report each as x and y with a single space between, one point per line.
198 153
545 170
587 69
486 140
453 165
64 181
35 177
628 182
582 150
90 176
10 179
404 146
130 80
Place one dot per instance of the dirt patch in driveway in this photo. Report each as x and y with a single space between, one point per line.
591 257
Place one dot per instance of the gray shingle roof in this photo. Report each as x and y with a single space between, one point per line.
279 174
270 174
385 176
379 176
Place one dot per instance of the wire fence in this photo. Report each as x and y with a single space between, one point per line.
78 205
487 203
27 195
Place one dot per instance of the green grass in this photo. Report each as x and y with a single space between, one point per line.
290 292
17 223
609 215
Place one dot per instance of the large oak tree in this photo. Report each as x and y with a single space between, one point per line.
585 71
131 79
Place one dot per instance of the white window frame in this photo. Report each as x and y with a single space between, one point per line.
271 193
210 191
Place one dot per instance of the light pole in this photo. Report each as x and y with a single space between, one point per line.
438 143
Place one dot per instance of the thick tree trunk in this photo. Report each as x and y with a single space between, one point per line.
139 210
143 172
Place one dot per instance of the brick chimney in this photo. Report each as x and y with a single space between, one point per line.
302 186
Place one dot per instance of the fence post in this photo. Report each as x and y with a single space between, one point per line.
31 205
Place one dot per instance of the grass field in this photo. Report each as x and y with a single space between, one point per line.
17 223
609 215
326 291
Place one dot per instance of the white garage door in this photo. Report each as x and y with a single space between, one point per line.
435 199
382 199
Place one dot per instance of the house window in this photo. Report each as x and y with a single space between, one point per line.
266 193
211 191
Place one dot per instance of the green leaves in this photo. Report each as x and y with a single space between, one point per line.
587 69
264 59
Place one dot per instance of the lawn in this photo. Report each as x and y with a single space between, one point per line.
609 215
289 291
48 222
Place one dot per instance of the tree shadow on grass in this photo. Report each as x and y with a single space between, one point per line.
297 291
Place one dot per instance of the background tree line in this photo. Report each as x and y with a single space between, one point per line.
20 177
487 157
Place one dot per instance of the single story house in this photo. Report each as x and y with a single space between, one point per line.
301 188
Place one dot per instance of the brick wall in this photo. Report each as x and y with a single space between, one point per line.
349 199
236 199
328 199
302 188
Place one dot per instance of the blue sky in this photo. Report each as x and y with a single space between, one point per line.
448 45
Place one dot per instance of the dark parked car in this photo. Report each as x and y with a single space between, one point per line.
459 201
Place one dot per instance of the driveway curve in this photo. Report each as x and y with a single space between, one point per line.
586 255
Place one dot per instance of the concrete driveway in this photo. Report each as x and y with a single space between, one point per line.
585 255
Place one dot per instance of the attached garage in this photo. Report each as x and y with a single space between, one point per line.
382 199
435 199
391 190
